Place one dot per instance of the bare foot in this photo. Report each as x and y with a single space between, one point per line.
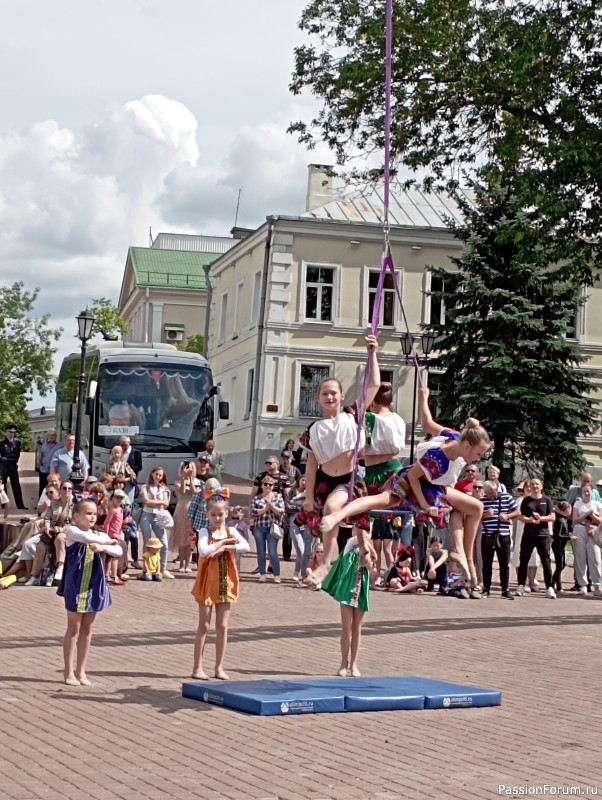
354 671
342 672
318 574
83 680
328 523
71 680
221 675
199 675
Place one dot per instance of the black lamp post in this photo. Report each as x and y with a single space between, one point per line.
407 347
85 322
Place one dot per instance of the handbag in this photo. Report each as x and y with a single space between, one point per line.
276 530
163 517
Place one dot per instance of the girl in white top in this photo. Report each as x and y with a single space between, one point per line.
331 444
155 495
587 516
386 435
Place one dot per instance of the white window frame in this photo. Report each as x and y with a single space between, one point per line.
223 317
428 275
232 416
307 362
249 393
336 280
397 316
255 305
240 286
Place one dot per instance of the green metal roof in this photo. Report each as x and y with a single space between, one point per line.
177 269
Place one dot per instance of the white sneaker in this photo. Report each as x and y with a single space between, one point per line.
520 591
296 577
598 591
583 591
527 589
58 575
551 593
262 579
276 579
32 582
167 574
535 587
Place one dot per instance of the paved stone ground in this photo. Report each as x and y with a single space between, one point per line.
131 734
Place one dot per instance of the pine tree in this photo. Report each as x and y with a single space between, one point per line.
503 346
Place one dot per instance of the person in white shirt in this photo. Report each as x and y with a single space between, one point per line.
587 518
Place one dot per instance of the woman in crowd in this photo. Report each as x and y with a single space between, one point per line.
99 494
185 487
587 517
155 496
267 509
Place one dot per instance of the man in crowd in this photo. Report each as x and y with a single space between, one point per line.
10 452
575 490
498 507
47 451
536 511
215 459
62 460
133 458
292 476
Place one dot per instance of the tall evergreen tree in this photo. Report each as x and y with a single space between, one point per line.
504 347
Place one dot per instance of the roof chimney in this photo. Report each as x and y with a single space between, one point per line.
319 186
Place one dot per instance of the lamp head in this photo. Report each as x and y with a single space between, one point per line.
85 323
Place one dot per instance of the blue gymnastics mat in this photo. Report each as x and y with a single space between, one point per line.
331 695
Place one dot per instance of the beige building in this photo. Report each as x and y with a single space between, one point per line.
291 304
164 290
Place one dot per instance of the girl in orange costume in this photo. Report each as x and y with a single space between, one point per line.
217 580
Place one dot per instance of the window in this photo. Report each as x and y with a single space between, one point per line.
311 376
435 306
386 376
249 393
237 309
256 299
387 306
319 293
574 325
222 319
232 417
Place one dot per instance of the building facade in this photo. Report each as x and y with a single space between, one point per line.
292 302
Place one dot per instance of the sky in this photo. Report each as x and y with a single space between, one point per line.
125 116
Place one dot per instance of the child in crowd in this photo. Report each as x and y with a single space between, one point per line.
349 583
435 570
454 582
151 563
236 515
84 587
560 536
426 487
331 443
113 526
217 582
399 577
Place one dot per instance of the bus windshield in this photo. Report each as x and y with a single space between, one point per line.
160 406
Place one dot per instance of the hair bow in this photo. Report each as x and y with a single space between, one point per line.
219 491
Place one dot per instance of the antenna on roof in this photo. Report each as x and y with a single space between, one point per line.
150 236
237 207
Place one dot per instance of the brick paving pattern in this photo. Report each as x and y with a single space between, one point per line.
131 734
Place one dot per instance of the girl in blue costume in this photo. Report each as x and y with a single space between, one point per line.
349 583
426 486
84 586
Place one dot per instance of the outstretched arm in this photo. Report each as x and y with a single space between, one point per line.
427 421
374 384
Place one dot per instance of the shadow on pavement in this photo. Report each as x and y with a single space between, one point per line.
312 630
166 701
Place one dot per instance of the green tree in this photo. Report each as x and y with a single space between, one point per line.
26 354
503 347
108 321
507 82
193 344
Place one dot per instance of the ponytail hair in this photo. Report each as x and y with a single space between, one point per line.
473 433
384 395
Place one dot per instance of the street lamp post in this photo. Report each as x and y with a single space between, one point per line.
407 346
85 322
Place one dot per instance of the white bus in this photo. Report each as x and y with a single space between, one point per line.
162 398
